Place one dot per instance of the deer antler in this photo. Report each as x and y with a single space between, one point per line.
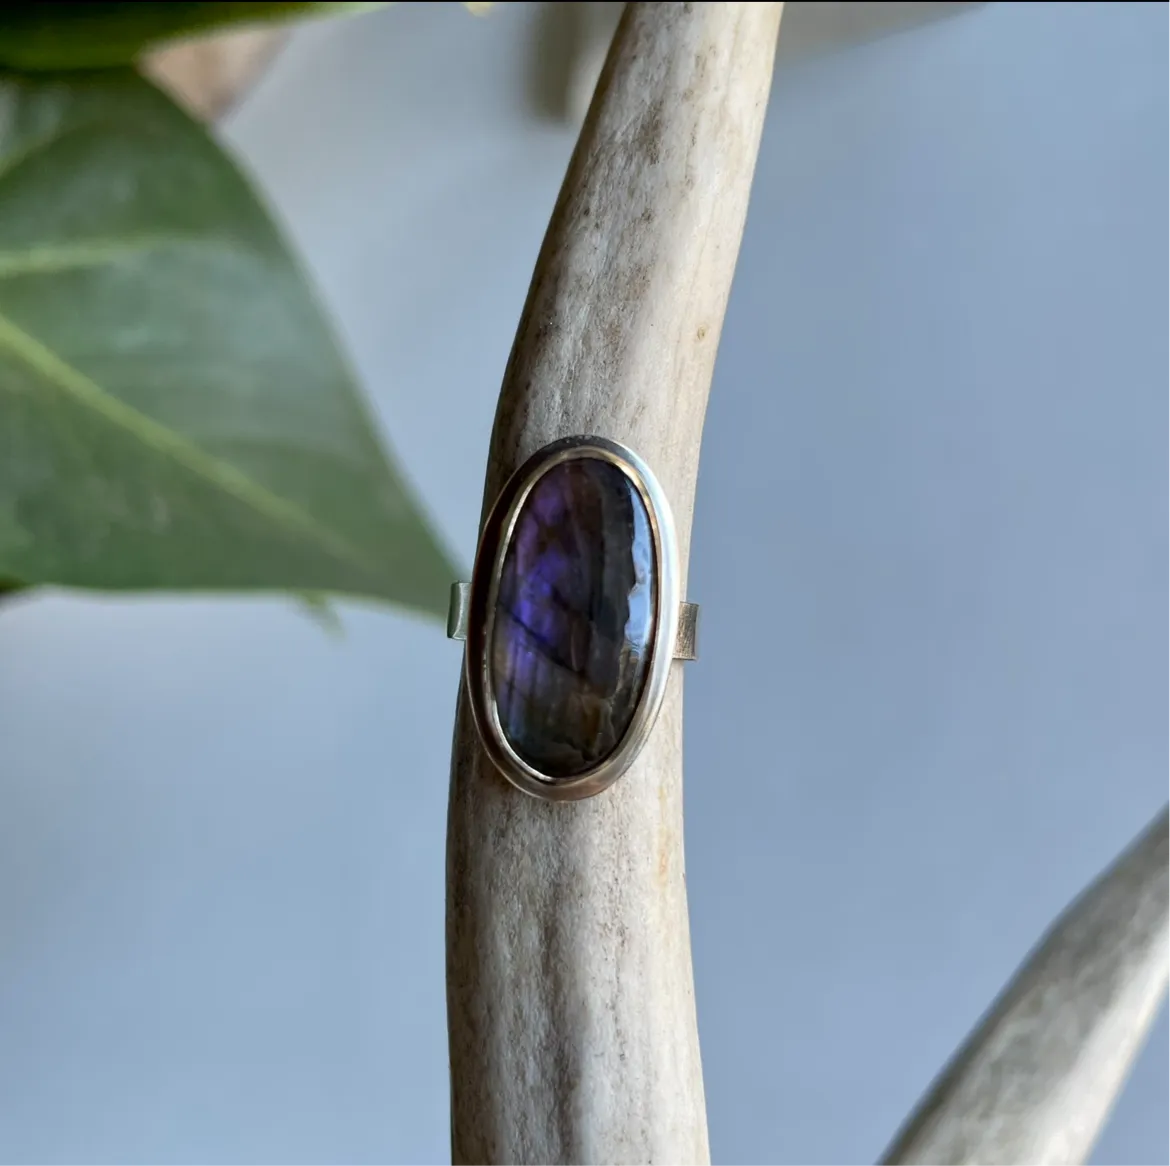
570 994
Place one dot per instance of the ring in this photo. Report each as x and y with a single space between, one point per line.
572 618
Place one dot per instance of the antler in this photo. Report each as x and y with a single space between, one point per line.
570 994
1037 1078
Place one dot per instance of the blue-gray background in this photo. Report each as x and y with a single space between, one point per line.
931 543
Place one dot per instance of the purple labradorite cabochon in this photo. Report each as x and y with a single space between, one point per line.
574 617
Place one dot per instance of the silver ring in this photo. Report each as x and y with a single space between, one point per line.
572 618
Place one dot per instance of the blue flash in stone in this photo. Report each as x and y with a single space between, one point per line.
575 614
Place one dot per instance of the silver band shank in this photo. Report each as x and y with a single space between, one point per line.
685 642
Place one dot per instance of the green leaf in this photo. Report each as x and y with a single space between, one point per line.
174 412
90 36
323 613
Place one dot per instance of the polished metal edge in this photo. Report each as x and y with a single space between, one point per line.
458 610
472 616
685 642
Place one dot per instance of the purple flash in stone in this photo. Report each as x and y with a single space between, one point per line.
574 619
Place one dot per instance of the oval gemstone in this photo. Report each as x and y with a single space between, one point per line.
574 618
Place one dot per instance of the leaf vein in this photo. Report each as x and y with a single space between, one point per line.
50 258
224 476
14 158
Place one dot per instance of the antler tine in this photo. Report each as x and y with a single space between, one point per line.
1037 1078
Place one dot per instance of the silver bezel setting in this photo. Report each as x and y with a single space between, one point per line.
485 582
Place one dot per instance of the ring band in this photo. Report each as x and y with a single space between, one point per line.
685 641
572 618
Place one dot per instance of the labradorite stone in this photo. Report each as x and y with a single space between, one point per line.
574 619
